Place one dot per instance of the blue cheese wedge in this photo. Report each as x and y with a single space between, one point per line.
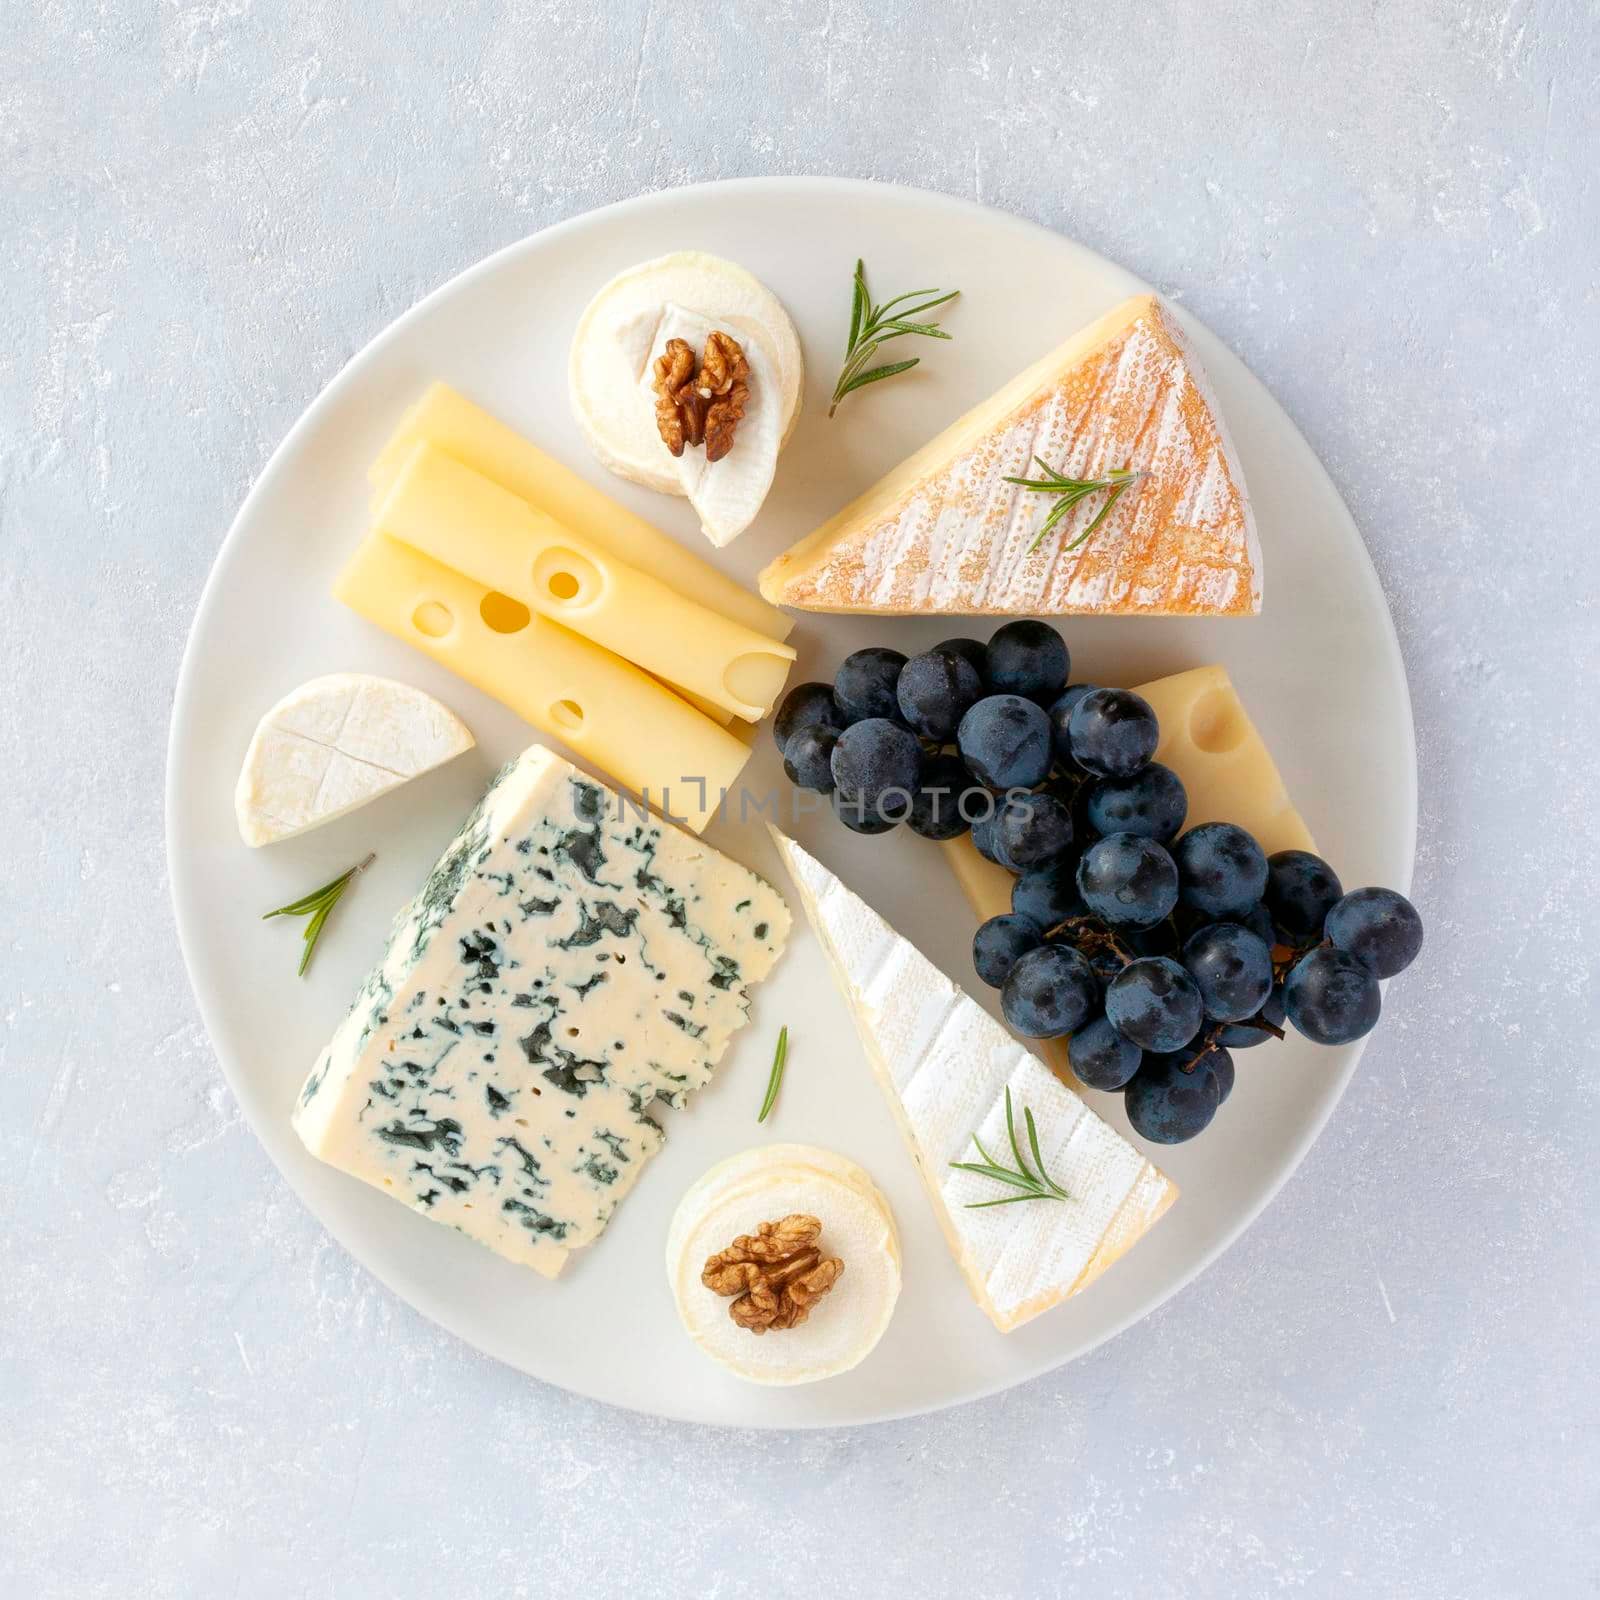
567 963
945 1066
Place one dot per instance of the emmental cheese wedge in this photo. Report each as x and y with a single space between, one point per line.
945 532
464 520
451 422
945 1066
1208 739
609 712
564 965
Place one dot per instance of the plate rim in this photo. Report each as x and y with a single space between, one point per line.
276 464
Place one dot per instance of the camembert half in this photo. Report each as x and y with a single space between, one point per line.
945 532
945 1065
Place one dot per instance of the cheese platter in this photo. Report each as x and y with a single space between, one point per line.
802 774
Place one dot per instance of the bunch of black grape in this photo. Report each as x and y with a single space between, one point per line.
1155 952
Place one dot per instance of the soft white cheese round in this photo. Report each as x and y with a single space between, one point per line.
334 744
764 1185
617 332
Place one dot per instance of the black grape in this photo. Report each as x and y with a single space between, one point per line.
1113 733
1151 803
1101 1057
1049 894
805 705
1155 1003
876 760
934 691
1061 709
865 684
808 757
968 649
1049 992
1128 881
1301 891
1241 1036
937 809
1027 658
1171 1098
1005 740
999 942
1331 996
1222 869
861 817
1380 927
1033 828
1233 969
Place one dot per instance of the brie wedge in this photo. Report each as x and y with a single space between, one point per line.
945 1065
765 1185
334 744
610 380
946 532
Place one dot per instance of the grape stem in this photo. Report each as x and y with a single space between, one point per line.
1097 933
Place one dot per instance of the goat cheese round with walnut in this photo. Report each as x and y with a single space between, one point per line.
784 1264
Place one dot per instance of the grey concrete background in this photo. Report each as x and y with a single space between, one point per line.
1388 1388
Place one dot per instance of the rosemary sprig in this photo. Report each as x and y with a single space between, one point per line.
1071 491
1034 1185
316 906
780 1055
872 327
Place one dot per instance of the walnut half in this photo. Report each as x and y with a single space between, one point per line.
776 1273
704 407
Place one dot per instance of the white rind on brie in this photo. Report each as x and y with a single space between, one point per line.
334 744
945 1065
764 1185
614 340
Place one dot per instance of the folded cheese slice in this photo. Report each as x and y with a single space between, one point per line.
566 963
945 1065
627 723
483 442
945 532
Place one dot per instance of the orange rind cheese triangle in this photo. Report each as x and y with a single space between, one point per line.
945 533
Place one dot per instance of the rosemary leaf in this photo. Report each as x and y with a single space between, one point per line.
1069 491
861 380
873 326
779 1057
1032 1185
317 906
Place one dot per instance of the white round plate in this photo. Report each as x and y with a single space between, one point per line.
1319 671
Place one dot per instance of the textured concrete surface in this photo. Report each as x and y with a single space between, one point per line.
1391 210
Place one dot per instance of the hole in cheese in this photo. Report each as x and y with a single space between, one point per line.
1215 724
567 714
566 576
756 678
432 619
502 613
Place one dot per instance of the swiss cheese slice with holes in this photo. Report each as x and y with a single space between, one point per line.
946 1067
334 744
946 532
